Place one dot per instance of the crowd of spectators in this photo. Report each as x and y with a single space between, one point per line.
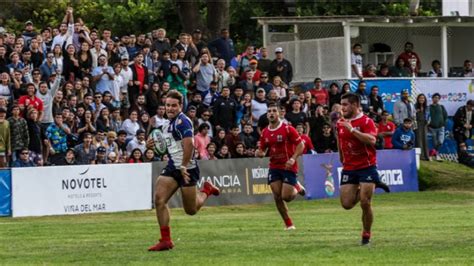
74 95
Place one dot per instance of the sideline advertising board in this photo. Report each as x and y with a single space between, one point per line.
241 181
454 92
323 172
59 190
5 192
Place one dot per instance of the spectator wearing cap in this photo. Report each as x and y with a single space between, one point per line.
281 67
259 106
325 142
225 110
23 159
264 63
247 56
86 151
29 32
197 40
15 62
103 75
201 140
101 156
404 138
438 119
5 141
403 108
137 143
464 122
252 67
223 47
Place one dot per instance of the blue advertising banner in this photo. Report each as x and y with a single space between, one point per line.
389 90
5 193
322 172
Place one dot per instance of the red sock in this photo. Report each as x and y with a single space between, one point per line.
288 222
366 235
298 187
165 233
206 190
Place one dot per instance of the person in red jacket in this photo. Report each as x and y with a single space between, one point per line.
385 130
308 144
30 101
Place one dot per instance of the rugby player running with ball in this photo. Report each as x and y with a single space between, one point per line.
182 171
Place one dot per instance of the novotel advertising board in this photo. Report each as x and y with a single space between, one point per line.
80 189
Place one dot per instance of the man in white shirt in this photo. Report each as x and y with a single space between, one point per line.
356 61
66 29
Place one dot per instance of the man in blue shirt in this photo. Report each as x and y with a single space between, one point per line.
103 75
404 137
181 172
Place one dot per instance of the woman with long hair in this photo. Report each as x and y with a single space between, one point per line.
58 59
136 156
346 87
85 60
177 81
223 152
149 156
421 131
334 95
103 121
219 139
112 53
71 65
87 124
144 121
152 98
279 86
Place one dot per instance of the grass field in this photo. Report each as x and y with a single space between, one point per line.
432 227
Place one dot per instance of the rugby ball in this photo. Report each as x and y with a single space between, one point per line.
159 141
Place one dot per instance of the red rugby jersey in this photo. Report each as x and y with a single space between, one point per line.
281 143
355 154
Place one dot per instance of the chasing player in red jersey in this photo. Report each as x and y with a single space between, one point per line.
356 135
284 145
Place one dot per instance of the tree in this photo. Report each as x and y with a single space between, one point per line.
217 16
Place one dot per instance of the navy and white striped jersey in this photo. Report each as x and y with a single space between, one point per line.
174 131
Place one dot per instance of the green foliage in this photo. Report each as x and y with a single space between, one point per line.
141 16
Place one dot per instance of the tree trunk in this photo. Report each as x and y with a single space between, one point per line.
189 15
217 17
